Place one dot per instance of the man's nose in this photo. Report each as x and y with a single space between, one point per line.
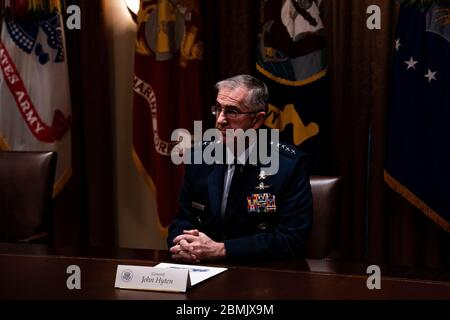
221 117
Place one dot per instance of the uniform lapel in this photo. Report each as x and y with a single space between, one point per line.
215 187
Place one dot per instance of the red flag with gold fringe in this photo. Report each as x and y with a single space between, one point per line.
166 92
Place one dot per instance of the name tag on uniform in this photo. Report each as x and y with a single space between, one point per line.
198 206
154 279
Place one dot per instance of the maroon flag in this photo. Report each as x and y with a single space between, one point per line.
167 96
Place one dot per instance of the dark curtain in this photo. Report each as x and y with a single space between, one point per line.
84 210
348 70
231 29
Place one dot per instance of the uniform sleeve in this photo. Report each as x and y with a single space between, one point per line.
182 220
289 237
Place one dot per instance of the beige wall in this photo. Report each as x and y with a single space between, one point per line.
136 216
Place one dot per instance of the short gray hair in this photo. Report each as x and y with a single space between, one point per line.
258 95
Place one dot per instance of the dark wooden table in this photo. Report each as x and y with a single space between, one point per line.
39 272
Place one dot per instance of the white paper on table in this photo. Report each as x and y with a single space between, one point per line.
197 273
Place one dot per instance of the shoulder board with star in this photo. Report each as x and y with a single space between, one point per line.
206 143
201 144
287 149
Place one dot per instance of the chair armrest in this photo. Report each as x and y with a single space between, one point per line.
36 238
333 256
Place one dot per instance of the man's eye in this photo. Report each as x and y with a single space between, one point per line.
232 111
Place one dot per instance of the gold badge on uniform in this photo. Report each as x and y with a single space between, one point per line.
262 186
261 203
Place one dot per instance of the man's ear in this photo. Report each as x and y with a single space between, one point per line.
259 119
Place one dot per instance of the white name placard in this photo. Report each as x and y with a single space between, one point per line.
149 278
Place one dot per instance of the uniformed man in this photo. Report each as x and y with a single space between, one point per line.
240 211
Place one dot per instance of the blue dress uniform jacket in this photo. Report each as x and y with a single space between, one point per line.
265 217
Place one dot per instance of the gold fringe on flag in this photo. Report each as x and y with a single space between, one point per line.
35 5
47 6
56 5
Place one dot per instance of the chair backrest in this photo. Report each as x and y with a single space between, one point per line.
323 237
26 187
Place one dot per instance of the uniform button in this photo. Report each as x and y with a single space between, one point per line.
262 226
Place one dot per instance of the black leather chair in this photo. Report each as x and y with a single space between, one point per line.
26 188
322 243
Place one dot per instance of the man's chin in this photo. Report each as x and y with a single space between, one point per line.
223 135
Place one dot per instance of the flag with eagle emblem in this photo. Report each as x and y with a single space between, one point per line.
291 59
35 109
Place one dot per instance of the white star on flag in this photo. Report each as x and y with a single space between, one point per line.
411 63
397 44
430 75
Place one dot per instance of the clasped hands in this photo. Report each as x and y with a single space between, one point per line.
194 246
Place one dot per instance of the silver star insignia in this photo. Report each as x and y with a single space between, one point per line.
397 44
411 63
262 175
430 75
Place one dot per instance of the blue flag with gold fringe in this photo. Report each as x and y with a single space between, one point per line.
418 153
